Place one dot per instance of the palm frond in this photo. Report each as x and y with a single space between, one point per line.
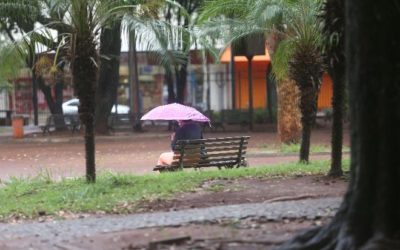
19 10
157 36
280 61
10 65
332 28
229 8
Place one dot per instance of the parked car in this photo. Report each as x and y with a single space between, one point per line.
70 107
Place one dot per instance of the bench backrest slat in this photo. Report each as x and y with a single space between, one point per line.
217 152
224 139
211 145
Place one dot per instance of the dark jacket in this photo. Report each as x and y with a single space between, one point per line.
189 131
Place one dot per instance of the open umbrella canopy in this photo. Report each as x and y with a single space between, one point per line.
175 111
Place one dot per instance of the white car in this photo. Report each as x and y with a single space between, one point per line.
70 107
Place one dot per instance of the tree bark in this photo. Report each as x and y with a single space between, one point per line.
170 86
369 217
181 75
289 124
333 21
55 105
337 122
84 72
271 95
110 49
308 107
305 68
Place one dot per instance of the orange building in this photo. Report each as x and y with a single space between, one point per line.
260 66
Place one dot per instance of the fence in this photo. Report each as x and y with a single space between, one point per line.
206 91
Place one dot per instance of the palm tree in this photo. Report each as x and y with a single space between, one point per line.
21 16
10 65
333 34
255 16
289 122
84 59
303 40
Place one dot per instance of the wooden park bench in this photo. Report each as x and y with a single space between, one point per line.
213 152
61 121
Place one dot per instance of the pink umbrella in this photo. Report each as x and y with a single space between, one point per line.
175 111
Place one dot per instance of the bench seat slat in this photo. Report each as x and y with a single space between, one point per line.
208 156
212 164
208 161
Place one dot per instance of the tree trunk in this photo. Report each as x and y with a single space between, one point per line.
170 86
333 21
369 217
289 125
134 81
305 68
110 48
271 95
308 107
337 123
169 79
181 75
55 106
85 78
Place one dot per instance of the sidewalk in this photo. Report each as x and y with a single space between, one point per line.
64 234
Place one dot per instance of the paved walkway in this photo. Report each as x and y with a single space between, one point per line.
53 234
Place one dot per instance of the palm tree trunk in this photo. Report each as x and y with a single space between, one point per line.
305 68
181 75
308 107
271 95
337 123
334 26
289 125
85 78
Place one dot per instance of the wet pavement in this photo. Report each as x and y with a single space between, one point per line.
61 155
55 234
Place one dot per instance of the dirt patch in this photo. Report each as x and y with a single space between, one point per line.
251 190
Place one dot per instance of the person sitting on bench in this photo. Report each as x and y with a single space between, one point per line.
188 130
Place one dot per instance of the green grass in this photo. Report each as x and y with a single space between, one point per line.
119 193
295 148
